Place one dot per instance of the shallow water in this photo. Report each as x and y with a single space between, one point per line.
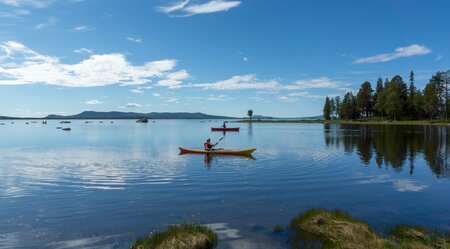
102 185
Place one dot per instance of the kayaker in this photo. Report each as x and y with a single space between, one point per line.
208 145
224 125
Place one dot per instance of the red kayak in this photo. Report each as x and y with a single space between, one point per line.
224 129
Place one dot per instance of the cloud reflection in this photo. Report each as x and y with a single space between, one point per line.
24 171
400 185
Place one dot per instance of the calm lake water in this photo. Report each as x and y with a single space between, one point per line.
102 185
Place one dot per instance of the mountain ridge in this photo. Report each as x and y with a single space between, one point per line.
151 115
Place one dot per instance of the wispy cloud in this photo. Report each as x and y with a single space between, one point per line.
131 105
174 7
83 50
309 95
322 82
172 100
16 13
133 39
50 22
93 102
288 99
137 91
22 65
239 82
175 79
184 9
82 28
401 52
156 94
32 3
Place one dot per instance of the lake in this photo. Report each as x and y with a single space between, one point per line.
102 185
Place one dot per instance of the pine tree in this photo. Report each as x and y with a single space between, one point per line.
333 108
327 109
411 92
338 103
431 97
365 99
419 104
378 90
394 103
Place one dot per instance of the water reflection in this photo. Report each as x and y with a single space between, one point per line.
209 158
394 146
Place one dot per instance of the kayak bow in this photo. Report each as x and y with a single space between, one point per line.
247 152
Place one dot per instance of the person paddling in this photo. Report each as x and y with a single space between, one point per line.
224 125
208 145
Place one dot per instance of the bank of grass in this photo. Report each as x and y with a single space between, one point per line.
369 121
183 236
318 228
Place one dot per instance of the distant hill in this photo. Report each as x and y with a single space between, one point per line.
135 115
3 118
299 118
153 115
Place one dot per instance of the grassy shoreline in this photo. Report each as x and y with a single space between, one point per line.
359 121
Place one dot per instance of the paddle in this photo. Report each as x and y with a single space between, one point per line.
219 141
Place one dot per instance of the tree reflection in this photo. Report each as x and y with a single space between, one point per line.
394 145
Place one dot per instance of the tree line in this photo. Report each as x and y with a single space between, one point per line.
393 99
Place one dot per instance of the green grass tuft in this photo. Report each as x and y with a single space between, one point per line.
319 228
183 236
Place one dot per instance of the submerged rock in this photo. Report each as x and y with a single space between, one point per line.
142 120
184 236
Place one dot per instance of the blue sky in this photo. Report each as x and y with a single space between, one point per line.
277 57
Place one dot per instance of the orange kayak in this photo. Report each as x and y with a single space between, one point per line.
247 152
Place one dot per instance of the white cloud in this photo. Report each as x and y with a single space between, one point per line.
239 82
288 99
156 94
93 102
221 97
136 91
211 7
50 22
83 50
170 83
82 28
244 58
178 75
132 105
322 82
133 39
412 50
187 9
308 95
174 80
439 57
17 13
32 3
173 99
21 65
174 7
